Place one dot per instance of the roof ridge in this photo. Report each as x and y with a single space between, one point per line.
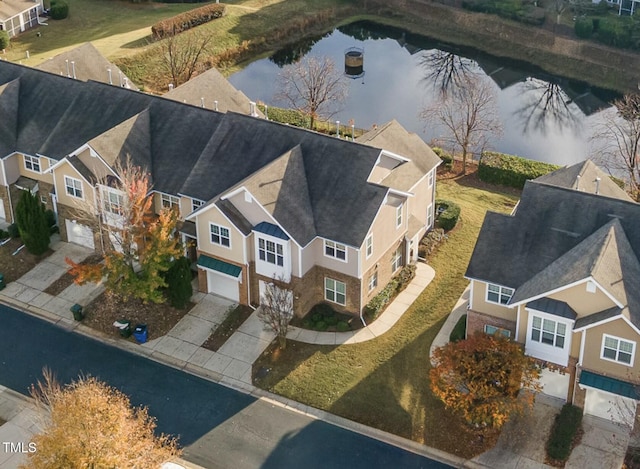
606 242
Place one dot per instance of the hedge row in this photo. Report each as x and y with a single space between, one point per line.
59 9
396 285
509 170
286 116
448 217
565 427
511 9
187 20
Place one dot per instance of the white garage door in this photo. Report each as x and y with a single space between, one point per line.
610 406
223 286
79 234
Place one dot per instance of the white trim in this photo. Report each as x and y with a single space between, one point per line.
500 288
633 352
211 225
470 295
335 248
233 192
38 162
565 287
517 324
324 289
394 156
401 193
237 279
542 350
206 207
431 174
171 196
583 339
369 287
4 173
366 248
605 321
399 215
66 187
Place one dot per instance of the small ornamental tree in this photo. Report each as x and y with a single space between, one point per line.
4 39
276 310
89 424
32 223
480 378
178 278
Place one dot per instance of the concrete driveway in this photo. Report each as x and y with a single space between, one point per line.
603 445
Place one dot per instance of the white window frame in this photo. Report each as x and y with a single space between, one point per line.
268 247
336 248
491 330
332 291
32 163
169 201
196 204
368 246
43 199
71 189
429 216
399 216
221 237
543 350
501 292
555 333
373 281
430 179
113 207
396 260
617 350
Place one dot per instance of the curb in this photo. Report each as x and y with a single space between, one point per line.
245 388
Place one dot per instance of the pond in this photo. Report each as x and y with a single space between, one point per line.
544 117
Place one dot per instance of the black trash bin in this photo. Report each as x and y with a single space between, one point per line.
140 333
124 326
77 312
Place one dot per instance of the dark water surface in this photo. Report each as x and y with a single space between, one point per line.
545 117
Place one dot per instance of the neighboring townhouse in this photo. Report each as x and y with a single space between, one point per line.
560 275
259 202
17 16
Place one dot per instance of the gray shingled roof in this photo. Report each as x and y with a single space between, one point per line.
89 64
597 317
555 307
559 236
588 172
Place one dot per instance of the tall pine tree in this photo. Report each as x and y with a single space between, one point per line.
32 223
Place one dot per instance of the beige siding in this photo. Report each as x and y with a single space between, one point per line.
583 302
308 256
252 211
316 250
44 165
385 234
522 325
378 174
87 202
482 305
185 207
235 253
12 168
423 196
157 204
575 344
593 349
95 165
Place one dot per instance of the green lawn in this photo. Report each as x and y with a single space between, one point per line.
384 382
116 28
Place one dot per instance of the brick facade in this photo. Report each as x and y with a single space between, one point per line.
44 191
68 213
385 274
476 322
4 195
243 285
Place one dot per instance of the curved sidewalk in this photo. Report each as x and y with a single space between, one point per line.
391 315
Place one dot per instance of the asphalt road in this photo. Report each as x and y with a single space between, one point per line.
219 427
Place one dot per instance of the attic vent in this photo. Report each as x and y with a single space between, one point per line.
573 234
591 287
247 197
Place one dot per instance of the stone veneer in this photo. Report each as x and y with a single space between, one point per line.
476 322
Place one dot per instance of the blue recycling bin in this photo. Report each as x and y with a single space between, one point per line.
140 333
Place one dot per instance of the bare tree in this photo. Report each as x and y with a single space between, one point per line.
90 424
446 71
616 140
181 54
276 309
313 86
469 115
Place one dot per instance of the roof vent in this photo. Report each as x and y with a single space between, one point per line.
252 109
578 182
109 75
597 185
202 102
170 86
215 105
73 69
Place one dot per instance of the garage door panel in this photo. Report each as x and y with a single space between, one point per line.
610 407
223 286
79 234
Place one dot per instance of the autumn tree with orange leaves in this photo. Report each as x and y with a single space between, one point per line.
140 245
480 378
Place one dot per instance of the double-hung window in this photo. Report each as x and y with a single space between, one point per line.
335 291
492 330
113 202
399 216
336 250
373 281
548 331
196 204
220 235
499 294
430 179
429 216
396 260
618 350
169 201
73 187
368 245
271 252
32 163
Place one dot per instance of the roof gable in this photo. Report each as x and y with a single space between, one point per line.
9 104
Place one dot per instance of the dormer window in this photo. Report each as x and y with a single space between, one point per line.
32 163
335 250
271 252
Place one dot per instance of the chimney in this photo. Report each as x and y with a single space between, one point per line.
73 69
202 102
215 105
252 108
110 78
597 185
170 86
578 182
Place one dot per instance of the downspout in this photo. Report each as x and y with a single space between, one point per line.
6 184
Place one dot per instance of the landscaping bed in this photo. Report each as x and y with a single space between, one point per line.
101 313
231 323
14 267
390 373
323 317
67 279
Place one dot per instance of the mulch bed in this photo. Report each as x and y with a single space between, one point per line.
14 267
222 333
67 279
107 308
